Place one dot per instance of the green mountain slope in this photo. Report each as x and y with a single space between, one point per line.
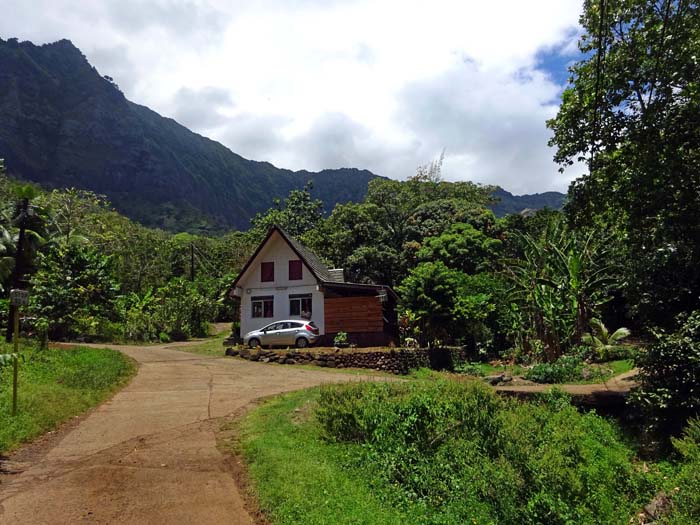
62 124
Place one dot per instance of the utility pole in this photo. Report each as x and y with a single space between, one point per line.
192 262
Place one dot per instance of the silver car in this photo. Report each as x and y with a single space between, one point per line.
283 333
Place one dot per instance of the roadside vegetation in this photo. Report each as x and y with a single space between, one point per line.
453 453
55 385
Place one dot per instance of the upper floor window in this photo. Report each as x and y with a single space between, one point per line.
267 272
295 270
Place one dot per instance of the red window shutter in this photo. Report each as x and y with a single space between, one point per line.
295 270
267 272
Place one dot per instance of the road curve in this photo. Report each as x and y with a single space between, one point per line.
149 454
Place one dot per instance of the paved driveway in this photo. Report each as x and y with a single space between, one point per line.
149 455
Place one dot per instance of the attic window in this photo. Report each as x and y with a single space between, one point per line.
267 272
295 270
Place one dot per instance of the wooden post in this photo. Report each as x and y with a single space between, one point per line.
17 298
15 362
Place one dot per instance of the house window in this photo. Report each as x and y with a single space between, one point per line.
267 272
300 305
263 306
295 270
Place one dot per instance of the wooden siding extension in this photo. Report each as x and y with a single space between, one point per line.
353 314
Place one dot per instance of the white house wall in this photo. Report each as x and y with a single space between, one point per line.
278 251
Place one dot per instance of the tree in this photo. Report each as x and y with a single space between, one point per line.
74 290
299 213
443 302
461 247
631 112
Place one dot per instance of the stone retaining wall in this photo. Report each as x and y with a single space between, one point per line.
398 361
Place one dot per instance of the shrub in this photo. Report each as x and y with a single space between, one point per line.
469 369
566 368
670 374
460 454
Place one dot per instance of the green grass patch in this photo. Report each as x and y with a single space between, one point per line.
299 479
213 346
55 385
439 452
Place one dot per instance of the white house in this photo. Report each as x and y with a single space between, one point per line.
285 280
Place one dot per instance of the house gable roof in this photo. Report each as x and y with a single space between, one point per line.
319 270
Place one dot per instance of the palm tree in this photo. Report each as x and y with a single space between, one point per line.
601 340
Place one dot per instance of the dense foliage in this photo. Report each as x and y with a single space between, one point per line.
670 374
631 112
456 453
95 275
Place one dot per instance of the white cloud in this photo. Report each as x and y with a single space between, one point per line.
310 84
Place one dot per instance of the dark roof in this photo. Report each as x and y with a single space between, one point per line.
332 278
319 270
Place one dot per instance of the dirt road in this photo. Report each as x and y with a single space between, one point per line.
148 455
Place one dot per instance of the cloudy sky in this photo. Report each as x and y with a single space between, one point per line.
313 84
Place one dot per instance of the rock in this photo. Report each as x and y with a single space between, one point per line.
289 361
494 379
231 352
316 363
265 360
506 378
244 353
657 507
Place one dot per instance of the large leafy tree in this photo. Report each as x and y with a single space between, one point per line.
74 290
631 112
379 240
448 304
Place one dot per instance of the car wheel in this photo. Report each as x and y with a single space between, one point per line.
254 343
302 342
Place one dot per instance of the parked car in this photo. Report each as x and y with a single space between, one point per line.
284 333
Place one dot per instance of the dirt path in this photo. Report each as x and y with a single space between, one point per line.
149 455
618 384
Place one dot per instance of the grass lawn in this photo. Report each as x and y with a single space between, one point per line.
298 478
55 385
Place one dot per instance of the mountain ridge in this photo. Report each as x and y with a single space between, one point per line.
62 124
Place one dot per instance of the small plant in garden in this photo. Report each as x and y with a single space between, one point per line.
340 339
469 369
409 328
566 368
602 341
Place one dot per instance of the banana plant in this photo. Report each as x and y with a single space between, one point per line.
558 283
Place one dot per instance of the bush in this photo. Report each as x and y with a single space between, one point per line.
670 375
469 369
460 454
566 368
